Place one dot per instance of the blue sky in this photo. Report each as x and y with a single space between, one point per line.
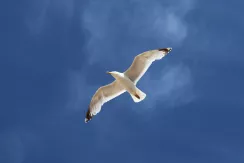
54 56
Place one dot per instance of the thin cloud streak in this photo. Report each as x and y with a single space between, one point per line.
37 14
15 144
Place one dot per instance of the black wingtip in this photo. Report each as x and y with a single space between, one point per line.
166 50
88 116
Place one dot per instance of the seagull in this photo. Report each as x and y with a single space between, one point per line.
125 81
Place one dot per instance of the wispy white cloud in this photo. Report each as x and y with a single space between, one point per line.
12 148
38 13
122 28
15 144
172 87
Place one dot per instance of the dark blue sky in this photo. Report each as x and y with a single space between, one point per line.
54 55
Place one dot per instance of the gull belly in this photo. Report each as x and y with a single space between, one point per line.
126 83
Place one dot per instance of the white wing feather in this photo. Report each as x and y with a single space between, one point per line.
141 64
103 95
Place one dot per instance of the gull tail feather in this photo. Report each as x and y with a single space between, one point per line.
138 96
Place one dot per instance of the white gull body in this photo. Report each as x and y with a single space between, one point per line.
125 81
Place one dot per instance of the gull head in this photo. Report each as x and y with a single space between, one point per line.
165 50
112 72
115 74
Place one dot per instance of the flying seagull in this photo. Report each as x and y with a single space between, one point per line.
125 81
